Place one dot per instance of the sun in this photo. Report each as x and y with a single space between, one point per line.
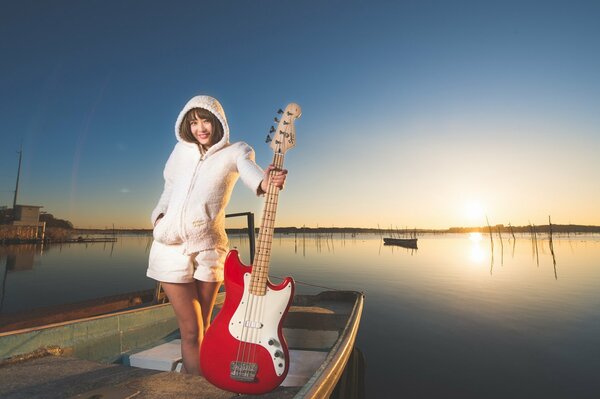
474 211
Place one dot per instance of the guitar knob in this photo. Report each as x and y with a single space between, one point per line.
271 342
278 354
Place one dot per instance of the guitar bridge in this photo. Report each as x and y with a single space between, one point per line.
242 371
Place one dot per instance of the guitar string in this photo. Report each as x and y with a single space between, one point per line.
252 357
261 278
270 208
246 343
245 346
243 332
254 343
248 339
261 301
255 284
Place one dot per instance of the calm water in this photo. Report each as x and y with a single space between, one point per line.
443 321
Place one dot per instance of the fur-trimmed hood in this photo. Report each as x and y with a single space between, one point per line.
212 105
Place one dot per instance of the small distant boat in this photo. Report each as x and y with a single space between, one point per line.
401 242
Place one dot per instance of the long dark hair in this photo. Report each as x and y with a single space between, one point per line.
185 130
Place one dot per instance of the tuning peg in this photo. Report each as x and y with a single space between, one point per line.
289 113
280 111
276 120
286 123
268 139
272 129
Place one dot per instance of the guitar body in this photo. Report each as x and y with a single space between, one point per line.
244 349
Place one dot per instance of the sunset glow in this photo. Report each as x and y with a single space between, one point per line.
442 118
474 212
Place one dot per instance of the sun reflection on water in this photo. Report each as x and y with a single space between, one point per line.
477 253
475 237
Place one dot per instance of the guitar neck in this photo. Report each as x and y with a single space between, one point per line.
260 269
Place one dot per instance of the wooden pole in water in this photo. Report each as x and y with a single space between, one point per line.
537 255
304 240
492 245
512 231
500 236
501 247
532 243
491 234
552 246
18 175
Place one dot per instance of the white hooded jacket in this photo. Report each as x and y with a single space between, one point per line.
198 188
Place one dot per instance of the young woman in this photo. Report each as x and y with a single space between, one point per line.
190 242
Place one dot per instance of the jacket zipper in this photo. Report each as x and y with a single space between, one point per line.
182 231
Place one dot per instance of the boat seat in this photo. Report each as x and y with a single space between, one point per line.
317 340
164 357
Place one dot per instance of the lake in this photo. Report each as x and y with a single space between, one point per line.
445 321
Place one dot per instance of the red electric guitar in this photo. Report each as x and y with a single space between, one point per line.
244 349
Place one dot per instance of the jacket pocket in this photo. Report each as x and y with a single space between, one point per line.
166 233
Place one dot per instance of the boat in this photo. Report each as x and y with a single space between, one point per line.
401 242
93 355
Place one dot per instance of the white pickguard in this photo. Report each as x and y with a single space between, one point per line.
256 320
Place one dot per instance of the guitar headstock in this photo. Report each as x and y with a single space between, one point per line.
284 137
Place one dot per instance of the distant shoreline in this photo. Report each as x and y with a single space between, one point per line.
556 228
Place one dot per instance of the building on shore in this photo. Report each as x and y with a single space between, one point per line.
25 224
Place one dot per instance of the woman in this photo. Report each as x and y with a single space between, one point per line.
190 243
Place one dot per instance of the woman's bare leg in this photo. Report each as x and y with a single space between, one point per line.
207 295
184 298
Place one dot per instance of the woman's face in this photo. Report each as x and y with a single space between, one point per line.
202 129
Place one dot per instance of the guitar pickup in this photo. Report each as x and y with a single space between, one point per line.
243 371
253 324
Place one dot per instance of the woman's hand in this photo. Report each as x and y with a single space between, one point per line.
278 177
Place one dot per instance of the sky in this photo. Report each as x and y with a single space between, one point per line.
426 114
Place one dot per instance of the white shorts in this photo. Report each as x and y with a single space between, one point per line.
168 264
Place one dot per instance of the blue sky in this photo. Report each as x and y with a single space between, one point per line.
428 114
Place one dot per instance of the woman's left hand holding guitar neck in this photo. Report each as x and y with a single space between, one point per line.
278 177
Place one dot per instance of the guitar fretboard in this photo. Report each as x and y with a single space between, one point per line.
260 269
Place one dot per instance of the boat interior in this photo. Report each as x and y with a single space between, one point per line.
92 356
